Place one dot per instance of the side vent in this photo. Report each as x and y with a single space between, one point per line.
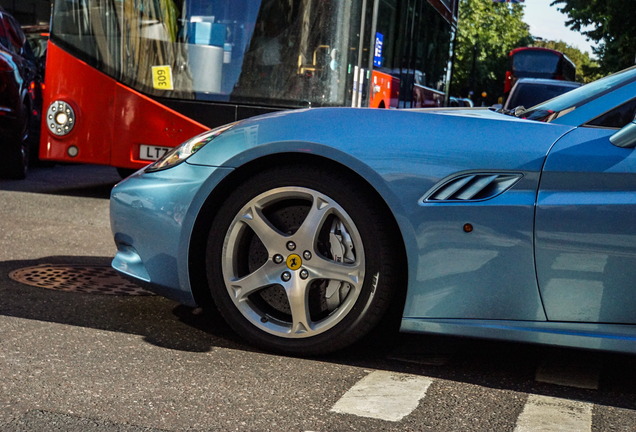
473 187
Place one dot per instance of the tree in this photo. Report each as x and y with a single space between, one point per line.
587 69
486 34
609 23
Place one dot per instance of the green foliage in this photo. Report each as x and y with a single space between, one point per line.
486 34
609 23
587 69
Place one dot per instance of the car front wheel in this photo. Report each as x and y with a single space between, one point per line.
298 261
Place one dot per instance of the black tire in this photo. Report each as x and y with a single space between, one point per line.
16 161
33 142
347 216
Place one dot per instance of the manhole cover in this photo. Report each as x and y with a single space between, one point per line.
86 279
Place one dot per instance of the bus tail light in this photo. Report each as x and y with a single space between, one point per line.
508 82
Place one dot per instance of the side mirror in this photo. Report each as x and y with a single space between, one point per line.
626 137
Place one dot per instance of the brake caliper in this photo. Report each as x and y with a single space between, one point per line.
341 251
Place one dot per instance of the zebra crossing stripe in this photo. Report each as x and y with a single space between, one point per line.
384 395
549 414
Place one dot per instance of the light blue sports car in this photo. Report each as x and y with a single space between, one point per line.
304 226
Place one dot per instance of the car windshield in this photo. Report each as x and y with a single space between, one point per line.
555 108
530 94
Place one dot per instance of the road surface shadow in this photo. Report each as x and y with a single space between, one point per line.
89 181
163 323
155 318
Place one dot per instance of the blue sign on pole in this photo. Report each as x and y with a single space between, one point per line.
377 54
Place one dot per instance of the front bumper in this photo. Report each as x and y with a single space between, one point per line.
152 216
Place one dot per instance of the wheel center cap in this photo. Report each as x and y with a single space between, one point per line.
294 262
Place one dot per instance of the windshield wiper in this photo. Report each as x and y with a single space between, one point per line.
515 112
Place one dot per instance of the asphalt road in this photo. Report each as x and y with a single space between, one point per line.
72 361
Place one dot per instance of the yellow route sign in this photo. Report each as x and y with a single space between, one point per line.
162 77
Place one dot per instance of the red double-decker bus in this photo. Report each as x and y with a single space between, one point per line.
128 79
537 62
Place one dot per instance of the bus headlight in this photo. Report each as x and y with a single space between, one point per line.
60 118
187 149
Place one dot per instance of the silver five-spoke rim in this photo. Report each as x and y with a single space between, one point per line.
303 287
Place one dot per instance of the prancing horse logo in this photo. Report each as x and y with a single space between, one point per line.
294 262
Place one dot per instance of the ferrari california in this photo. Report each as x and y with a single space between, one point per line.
304 226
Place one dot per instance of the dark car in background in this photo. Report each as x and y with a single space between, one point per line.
528 92
38 38
460 102
20 98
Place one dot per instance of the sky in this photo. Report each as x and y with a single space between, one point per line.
547 22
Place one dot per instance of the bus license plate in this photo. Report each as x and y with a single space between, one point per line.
153 153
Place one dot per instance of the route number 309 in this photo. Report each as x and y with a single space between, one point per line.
162 77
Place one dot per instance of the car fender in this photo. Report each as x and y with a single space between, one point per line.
368 174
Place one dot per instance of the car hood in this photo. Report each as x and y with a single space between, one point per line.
443 139
482 112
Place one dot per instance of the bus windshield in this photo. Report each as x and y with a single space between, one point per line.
553 109
248 51
187 65
538 62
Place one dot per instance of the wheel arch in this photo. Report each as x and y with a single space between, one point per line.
201 226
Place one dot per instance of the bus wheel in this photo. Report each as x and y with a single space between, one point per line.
298 261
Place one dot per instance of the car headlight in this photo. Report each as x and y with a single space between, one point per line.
182 152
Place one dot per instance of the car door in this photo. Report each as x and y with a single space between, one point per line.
17 40
10 82
585 230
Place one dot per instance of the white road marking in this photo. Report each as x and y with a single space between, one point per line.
549 414
384 395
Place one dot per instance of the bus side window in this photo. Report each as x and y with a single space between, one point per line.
616 118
